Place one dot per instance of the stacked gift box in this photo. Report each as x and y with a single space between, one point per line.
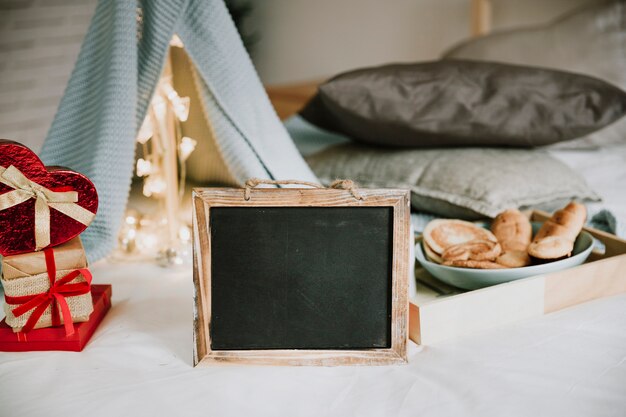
40 288
45 276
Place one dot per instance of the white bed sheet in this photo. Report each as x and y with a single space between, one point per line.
139 362
571 363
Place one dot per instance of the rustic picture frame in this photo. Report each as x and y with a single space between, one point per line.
204 199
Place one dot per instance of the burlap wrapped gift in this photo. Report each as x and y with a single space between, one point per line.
27 275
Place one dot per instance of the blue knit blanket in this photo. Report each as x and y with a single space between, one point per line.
111 86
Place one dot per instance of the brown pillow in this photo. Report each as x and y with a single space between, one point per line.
588 40
464 103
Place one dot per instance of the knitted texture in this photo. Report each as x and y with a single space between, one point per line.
112 84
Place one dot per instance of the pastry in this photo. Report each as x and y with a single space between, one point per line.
514 258
443 233
477 250
514 233
556 237
431 254
474 264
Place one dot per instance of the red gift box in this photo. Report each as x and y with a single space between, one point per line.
47 288
54 338
40 206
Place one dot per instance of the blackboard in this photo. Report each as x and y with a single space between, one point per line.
300 276
278 275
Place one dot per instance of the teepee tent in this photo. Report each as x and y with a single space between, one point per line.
111 86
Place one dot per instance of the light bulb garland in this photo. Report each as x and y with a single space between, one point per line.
186 147
162 169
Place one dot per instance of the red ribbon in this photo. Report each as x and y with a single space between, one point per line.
59 289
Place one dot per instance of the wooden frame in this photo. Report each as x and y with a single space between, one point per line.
206 198
452 313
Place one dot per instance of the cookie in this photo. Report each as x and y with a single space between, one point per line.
443 233
477 250
474 264
431 254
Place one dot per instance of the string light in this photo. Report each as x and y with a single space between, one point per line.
181 108
186 147
162 166
144 167
159 108
176 42
149 242
180 105
131 220
154 186
145 131
132 234
184 234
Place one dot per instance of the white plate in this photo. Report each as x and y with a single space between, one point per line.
472 279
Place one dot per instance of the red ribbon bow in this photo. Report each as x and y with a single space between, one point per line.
59 289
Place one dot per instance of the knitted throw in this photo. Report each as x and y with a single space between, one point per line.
112 84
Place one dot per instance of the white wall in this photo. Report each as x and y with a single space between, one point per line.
301 39
311 39
39 43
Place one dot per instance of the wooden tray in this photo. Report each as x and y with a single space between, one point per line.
438 312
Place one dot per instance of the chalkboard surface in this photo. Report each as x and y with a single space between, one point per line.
301 277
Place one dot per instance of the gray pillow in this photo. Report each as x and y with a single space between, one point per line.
589 40
466 183
464 103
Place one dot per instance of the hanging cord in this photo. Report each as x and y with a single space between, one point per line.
347 185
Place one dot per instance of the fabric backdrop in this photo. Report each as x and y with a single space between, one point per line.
111 86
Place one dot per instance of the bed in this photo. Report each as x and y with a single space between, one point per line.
139 362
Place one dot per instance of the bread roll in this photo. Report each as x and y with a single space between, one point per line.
556 237
514 233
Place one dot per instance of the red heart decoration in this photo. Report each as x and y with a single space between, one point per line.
17 223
